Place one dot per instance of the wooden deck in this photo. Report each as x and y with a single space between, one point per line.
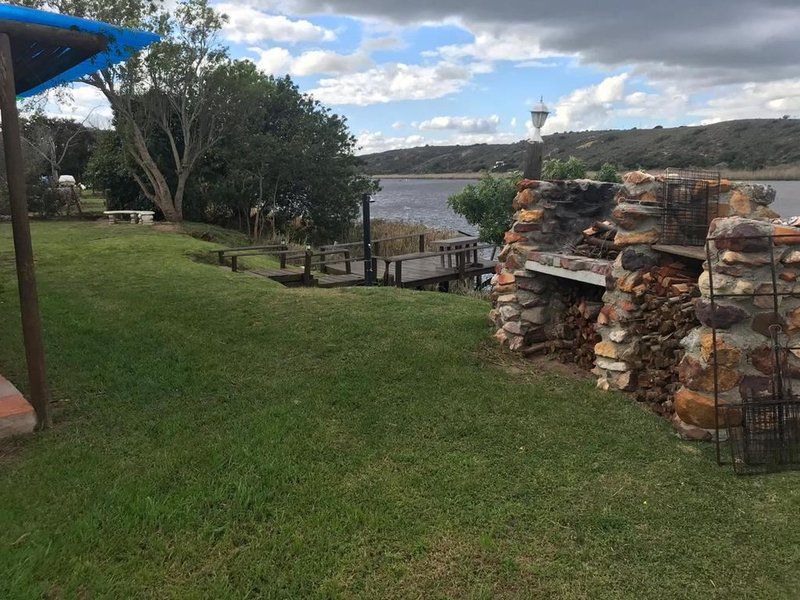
420 272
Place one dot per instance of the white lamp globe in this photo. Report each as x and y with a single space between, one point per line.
538 115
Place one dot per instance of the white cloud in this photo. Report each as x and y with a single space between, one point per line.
82 103
398 125
369 142
246 24
392 82
278 61
773 99
669 103
462 124
273 61
497 42
329 63
588 108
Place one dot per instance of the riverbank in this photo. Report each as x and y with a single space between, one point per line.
780 173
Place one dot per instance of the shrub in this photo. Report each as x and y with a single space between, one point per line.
609 172
572 168
487 205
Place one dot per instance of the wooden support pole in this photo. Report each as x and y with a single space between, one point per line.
307 277
23 247
532 169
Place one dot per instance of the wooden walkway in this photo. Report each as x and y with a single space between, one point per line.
419 272
456 259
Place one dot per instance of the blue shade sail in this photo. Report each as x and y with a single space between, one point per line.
40 63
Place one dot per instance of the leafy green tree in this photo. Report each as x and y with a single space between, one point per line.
488 205
283 157
557 169
609 172
108 170
168 93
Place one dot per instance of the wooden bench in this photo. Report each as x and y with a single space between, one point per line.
453 244
144 217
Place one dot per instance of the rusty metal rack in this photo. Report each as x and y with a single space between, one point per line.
690 201
763 430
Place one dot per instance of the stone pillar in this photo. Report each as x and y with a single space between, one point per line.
521 299
743 350
637 216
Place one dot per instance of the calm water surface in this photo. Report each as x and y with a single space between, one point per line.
425 201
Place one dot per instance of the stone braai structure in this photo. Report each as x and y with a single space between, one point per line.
539 274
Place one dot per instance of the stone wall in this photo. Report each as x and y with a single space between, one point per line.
548 216
740 265
527 304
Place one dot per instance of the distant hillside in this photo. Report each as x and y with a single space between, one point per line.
743 144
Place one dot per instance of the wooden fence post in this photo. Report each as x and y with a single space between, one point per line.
307 267
23 246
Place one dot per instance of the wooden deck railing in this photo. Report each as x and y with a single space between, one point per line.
461 255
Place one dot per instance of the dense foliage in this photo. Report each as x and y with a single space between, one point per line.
199 135
488 205
284 159
572 168
608 172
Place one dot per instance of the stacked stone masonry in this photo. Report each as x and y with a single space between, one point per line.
528 306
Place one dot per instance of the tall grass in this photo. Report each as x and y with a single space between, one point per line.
779 172
384 228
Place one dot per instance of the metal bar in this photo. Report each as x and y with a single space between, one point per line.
23 246
367 226
307 267
714 352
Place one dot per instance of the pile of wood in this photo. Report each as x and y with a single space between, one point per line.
666 299
597 241
580 321
573 339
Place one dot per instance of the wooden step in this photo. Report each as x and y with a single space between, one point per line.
325 280
279 275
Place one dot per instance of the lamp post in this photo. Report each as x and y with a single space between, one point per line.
532 168
369 275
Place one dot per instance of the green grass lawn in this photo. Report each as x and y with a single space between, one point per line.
218 435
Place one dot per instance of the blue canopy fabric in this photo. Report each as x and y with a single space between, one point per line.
40 64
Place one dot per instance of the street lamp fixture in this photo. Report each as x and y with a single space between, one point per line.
538 116
532 166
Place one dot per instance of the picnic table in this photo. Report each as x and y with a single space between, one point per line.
451 245
136 216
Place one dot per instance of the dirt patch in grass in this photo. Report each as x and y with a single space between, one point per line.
530 367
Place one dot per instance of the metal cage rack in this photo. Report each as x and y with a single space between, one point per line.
690 201
764 428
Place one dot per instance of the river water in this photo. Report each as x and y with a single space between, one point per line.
425 201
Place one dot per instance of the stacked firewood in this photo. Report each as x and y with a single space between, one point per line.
666 297
580 322
573 338
597 241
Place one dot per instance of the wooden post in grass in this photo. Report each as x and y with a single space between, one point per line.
23 247
532 168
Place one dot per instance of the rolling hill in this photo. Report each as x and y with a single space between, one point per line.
741 144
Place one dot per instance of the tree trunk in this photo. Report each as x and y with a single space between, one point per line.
180 191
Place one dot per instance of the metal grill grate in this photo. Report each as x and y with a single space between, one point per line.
764 435
690 202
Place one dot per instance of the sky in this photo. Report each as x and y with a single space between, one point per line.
414 72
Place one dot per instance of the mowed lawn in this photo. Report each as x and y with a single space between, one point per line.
221 436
